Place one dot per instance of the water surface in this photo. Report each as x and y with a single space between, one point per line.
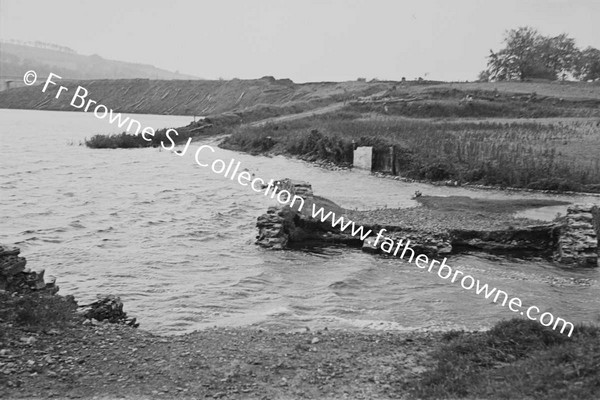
176 241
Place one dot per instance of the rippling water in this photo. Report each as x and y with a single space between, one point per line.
176 241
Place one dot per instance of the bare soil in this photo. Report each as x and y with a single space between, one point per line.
116 361
440 214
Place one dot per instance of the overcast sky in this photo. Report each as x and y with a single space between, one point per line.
304 40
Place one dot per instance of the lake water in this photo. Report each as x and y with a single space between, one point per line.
176 241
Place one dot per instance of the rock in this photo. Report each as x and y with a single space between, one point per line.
369 246
8 250
15 277
108 309
11 265
28 340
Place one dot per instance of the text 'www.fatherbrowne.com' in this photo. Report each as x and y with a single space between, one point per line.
80 100
444 271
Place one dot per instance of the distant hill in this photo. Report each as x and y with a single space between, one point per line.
16 59
193 97
267 97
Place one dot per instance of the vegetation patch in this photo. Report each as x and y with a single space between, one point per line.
516 359
463 151
202 128
482 105
37 311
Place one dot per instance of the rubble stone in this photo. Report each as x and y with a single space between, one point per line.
15 277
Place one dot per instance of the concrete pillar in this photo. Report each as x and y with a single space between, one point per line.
363 157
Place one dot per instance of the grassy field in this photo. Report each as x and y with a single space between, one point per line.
559 155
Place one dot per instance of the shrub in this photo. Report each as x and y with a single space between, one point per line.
538 361
38 310
557 184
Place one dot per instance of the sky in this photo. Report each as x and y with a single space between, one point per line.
303 40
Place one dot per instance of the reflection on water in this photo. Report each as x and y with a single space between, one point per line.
176 241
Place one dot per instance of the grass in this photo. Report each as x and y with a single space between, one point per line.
193 130
483 108
516 359
37 311
559 156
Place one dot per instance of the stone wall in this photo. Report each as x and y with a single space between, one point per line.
277 226
596 221
573 242
537 238
422 242
282 225
578 241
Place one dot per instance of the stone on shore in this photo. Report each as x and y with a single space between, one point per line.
14 277
108 308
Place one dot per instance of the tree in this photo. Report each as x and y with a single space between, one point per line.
484 76
559 55
519 59
527 54
588 66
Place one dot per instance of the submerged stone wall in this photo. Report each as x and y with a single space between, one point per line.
573 242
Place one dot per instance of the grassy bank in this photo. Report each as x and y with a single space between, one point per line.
201 128
561 155
516 359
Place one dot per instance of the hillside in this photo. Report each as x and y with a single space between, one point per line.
454 133
201 97
16 59
269 97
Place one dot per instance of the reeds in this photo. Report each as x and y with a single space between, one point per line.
555 156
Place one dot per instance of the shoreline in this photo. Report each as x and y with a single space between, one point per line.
110 361
330 166
49 350
79 359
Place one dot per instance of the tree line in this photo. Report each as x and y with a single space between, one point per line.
40 45
527 54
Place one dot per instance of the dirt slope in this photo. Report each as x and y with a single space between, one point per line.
190 97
